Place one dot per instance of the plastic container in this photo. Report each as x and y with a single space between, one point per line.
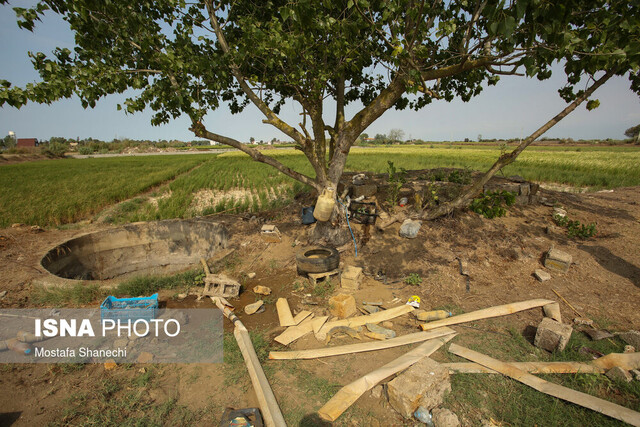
404 201
144 308
424 416
324 205
307 215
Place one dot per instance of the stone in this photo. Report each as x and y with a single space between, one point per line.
145 357
542 275
262 290
636 374
423 384
366 190
380 330
387 324
253 308
371 309
342 305
552 335
410 228
525 189
558 260
631 338
376 392
619 374
3 294
251 275
598 334
270 234
522 200
629 349
181 296
351 277
559 212
110 364
359 179
443 417
375 336
583 321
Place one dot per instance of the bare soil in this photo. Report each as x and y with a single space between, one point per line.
603 283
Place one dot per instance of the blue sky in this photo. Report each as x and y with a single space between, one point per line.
514 108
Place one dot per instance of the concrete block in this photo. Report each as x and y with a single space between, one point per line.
542 275
533 189
525 189
351 277
619 374
551 335
366 190
443 417
342 305
423 384
410 228
558 260
270 234
522 200
631 338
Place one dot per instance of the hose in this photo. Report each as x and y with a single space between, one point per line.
346 214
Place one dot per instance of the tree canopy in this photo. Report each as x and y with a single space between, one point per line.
191 57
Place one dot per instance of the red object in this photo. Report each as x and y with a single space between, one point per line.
27 142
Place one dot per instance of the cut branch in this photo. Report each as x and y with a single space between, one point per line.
509 158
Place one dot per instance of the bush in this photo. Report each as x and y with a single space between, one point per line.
460 176
55 149
85 150
491 205
575 228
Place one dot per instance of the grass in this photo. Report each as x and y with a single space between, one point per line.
54 192
67 190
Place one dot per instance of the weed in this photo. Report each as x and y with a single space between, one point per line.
78 294
413 279
490 205
324 288
396 178
147 285
575 228
460 176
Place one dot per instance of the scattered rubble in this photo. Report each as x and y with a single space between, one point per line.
423 384
542 275
552 335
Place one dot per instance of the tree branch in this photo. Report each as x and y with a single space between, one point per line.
200 131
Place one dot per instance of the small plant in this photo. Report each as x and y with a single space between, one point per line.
460 176
413 279
439 175
430 197
575 228
492 204
396 181
324 288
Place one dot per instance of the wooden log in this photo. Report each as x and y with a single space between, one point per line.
626 361
294 332
347 395
318 322
585 400
360 347
531 367
284 312
354 322
499 310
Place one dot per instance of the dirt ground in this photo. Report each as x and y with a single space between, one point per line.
603 283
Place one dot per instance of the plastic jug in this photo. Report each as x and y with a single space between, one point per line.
324 204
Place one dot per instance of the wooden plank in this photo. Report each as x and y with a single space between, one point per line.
284 312
301 316
294 332
318 322
626 361
599 405
347 395
354 322
500 310
360 347
531 367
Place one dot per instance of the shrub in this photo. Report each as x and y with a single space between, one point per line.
396 180
575 228
85 150
460 176
491 204
55 149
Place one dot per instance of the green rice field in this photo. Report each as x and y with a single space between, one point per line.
55 192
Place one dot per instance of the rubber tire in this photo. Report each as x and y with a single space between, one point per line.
328 259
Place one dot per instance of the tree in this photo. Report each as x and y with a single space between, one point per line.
396 135
633 133
252 140
189 57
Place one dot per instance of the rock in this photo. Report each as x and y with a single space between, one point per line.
525 189
375 336
551 335
110 364
517 178
371 309
542 275
636 374
522 200
631 338
36 229
261 290
145 357
444 418
251 275
380 330
351 277
16 225
583 321
366 190
121 342
253 308
342 305
629 349
3 294
181 296
410 228
559 212
558 260
619 374
597 334
387 324
376 392
423 384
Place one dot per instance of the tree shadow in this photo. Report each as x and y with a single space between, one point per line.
613 263
8 418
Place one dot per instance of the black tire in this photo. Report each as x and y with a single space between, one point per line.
317 259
